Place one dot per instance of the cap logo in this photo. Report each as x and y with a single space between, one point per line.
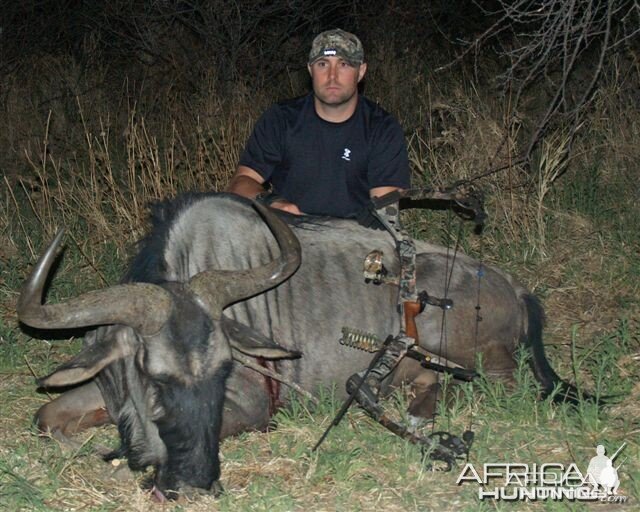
337 43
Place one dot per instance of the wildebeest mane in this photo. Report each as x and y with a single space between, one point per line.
148 265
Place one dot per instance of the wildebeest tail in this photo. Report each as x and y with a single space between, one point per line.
552 384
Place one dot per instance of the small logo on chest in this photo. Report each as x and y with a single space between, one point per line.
346 155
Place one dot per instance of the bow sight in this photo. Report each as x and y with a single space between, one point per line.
364 386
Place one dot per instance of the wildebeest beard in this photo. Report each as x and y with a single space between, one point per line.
189 429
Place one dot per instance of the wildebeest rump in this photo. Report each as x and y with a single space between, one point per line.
164 368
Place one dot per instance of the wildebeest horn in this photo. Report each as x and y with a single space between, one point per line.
143 306
219 288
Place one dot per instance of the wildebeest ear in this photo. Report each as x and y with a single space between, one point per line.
251 342
92 359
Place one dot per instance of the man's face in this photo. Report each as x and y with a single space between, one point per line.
335 81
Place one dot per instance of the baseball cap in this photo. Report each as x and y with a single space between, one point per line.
337 43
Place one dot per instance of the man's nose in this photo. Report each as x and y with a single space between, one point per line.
333 71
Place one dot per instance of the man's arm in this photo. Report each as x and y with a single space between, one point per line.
381 191
388 168
248 183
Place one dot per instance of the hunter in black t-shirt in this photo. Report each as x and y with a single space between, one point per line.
327 168
330 152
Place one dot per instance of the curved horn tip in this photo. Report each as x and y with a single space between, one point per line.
32 289
57 238
52 248
59 233
291 242
49 254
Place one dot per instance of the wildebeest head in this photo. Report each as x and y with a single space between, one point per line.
165 352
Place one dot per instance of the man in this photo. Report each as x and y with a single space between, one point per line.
597 464
329 152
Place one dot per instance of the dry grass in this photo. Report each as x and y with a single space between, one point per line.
94 171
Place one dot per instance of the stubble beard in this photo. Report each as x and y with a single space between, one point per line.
337 102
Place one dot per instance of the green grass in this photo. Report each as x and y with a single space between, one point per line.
360 466
16 491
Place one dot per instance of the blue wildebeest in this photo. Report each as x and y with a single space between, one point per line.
159 361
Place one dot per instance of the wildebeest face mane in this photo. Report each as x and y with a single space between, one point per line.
190 430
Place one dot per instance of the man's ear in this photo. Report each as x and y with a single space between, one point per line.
362 70
309 68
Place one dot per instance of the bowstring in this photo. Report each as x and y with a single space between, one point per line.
448 274
443 330
477 323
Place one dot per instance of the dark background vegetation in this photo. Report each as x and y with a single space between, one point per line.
106 106
548 58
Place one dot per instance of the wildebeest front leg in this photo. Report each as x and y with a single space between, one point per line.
73 411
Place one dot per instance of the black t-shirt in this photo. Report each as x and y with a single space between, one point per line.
327 168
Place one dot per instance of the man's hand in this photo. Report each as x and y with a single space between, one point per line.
248 183
286 206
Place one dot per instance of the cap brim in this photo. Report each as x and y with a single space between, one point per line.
351 62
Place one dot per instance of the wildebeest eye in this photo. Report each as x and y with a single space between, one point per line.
162 379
